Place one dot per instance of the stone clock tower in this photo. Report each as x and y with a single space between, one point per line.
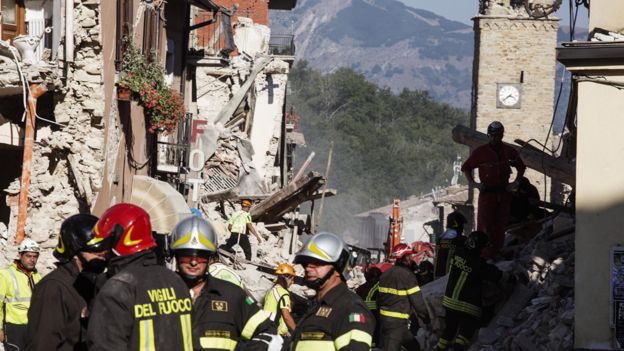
514 75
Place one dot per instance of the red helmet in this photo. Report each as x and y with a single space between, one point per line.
401 250
127 228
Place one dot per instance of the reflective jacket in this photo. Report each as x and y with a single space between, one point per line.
239 222
223 315
276 299
468 271
221 271
399 294
446 245
15 293
143 306
54 317
340 321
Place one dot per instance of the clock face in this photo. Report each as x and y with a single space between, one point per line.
508 95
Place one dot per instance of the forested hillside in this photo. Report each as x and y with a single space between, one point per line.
385 145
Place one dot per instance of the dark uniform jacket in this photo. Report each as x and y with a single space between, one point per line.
446 245
143 307
468 271
399 294
340 321
54 316
223 315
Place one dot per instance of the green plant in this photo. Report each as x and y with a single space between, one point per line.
163 107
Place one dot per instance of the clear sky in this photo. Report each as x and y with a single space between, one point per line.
464 10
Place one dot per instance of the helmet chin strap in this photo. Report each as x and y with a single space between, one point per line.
193 280
318 283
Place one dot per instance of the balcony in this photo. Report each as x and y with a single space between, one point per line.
282 46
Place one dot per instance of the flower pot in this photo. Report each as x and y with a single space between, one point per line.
123 94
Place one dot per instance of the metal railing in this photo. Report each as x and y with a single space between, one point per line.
282 44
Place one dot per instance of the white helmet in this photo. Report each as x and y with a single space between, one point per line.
28 245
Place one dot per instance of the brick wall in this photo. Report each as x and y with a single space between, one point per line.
257 10
506 49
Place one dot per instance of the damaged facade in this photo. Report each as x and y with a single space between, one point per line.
94 147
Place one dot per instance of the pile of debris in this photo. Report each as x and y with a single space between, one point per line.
535 314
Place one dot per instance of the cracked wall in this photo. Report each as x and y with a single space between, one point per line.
55 183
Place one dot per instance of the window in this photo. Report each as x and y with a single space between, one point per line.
12 18
124 27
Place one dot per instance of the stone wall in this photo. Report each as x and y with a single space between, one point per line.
516 50
54 193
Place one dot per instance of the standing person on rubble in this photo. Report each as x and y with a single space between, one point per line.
223 314
58 314
277 301
143 306
462 299
399 295
338 319
17 282
239 225
494 161
448 242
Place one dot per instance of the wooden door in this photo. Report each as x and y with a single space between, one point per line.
12 18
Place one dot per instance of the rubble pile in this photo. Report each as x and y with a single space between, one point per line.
68 156
226 157
540 314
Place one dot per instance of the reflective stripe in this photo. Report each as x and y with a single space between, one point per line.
253 323
353 335
146 335
442 343
15 285
393 314
459 285
315 345
461 340
187 336
371 303
217 343
399 292
461 306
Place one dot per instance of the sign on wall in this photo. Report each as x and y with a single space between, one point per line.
617 293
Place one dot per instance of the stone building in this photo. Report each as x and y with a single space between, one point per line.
93 147
514 76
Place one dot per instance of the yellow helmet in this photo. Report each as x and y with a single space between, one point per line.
285 269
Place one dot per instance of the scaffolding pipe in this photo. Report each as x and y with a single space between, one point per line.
69 31
35 91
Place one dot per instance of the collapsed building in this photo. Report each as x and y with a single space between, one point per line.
172 105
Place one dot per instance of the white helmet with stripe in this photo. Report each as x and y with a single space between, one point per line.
193 234
325 247
28 245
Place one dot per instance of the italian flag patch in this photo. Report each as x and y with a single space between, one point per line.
357 318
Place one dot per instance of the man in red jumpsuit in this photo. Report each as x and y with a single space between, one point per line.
494 161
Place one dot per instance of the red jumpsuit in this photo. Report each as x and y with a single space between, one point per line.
494 199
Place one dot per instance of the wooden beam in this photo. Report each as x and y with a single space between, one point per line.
554 167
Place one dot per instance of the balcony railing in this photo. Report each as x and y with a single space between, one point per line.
282 44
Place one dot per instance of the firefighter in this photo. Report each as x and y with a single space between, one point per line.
462 299
223 314
59 307
369 292
425 272
338 319
277 300
143 306
494 161
448 242
17 282
239 225
399 295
